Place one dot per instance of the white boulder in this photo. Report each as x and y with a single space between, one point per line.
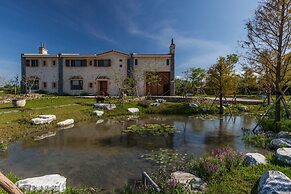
274 182
47 183
65 122
281 142
99 113
284 155
252 159
106 106
53 117
40 121
160 100
99 121
133 110
193 105
43 136
190 181
284 134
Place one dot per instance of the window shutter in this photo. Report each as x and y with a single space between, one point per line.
109 62
95 63
68 63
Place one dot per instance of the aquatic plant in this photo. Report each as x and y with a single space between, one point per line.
151 129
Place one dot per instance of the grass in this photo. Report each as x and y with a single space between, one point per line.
244 179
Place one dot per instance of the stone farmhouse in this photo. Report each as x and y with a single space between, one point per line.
98 74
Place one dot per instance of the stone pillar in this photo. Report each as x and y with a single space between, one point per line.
172 68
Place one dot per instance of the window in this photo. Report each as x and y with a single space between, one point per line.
90 63
168 61
120 60
78 63
76 84
68 63
44 84
120 65
135 61
27 63
90 85
54 62
54 85
34 63
103 63
44 63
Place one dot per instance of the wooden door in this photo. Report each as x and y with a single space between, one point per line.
103 88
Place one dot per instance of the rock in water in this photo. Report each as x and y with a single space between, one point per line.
274 182
47 183
192 182
255 159
65 122
133 110
284 155
281 142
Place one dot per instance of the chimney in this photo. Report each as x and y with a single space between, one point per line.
42 50
172 47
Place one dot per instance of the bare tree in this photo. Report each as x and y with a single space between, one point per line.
269 35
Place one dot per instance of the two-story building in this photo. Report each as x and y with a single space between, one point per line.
99 74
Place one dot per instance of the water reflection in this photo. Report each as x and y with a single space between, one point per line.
101 155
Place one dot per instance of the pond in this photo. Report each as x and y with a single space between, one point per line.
100 155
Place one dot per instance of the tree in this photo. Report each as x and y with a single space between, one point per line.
269 35
248 80
222 79
182 87
196 77
15 84
153 78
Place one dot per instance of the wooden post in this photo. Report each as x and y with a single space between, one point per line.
9 186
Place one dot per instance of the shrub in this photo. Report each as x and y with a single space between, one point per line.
270 125
217 163
257 140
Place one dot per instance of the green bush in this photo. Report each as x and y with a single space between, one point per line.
270 125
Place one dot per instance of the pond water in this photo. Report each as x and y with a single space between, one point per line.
100 155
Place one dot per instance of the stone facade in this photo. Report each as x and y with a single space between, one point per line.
98 74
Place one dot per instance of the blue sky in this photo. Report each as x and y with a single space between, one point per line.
203 30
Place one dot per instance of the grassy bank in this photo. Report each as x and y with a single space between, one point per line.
224 171
15 122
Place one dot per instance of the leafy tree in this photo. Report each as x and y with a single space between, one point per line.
182 87
15 84
269 35
196 76
248 80
221 77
